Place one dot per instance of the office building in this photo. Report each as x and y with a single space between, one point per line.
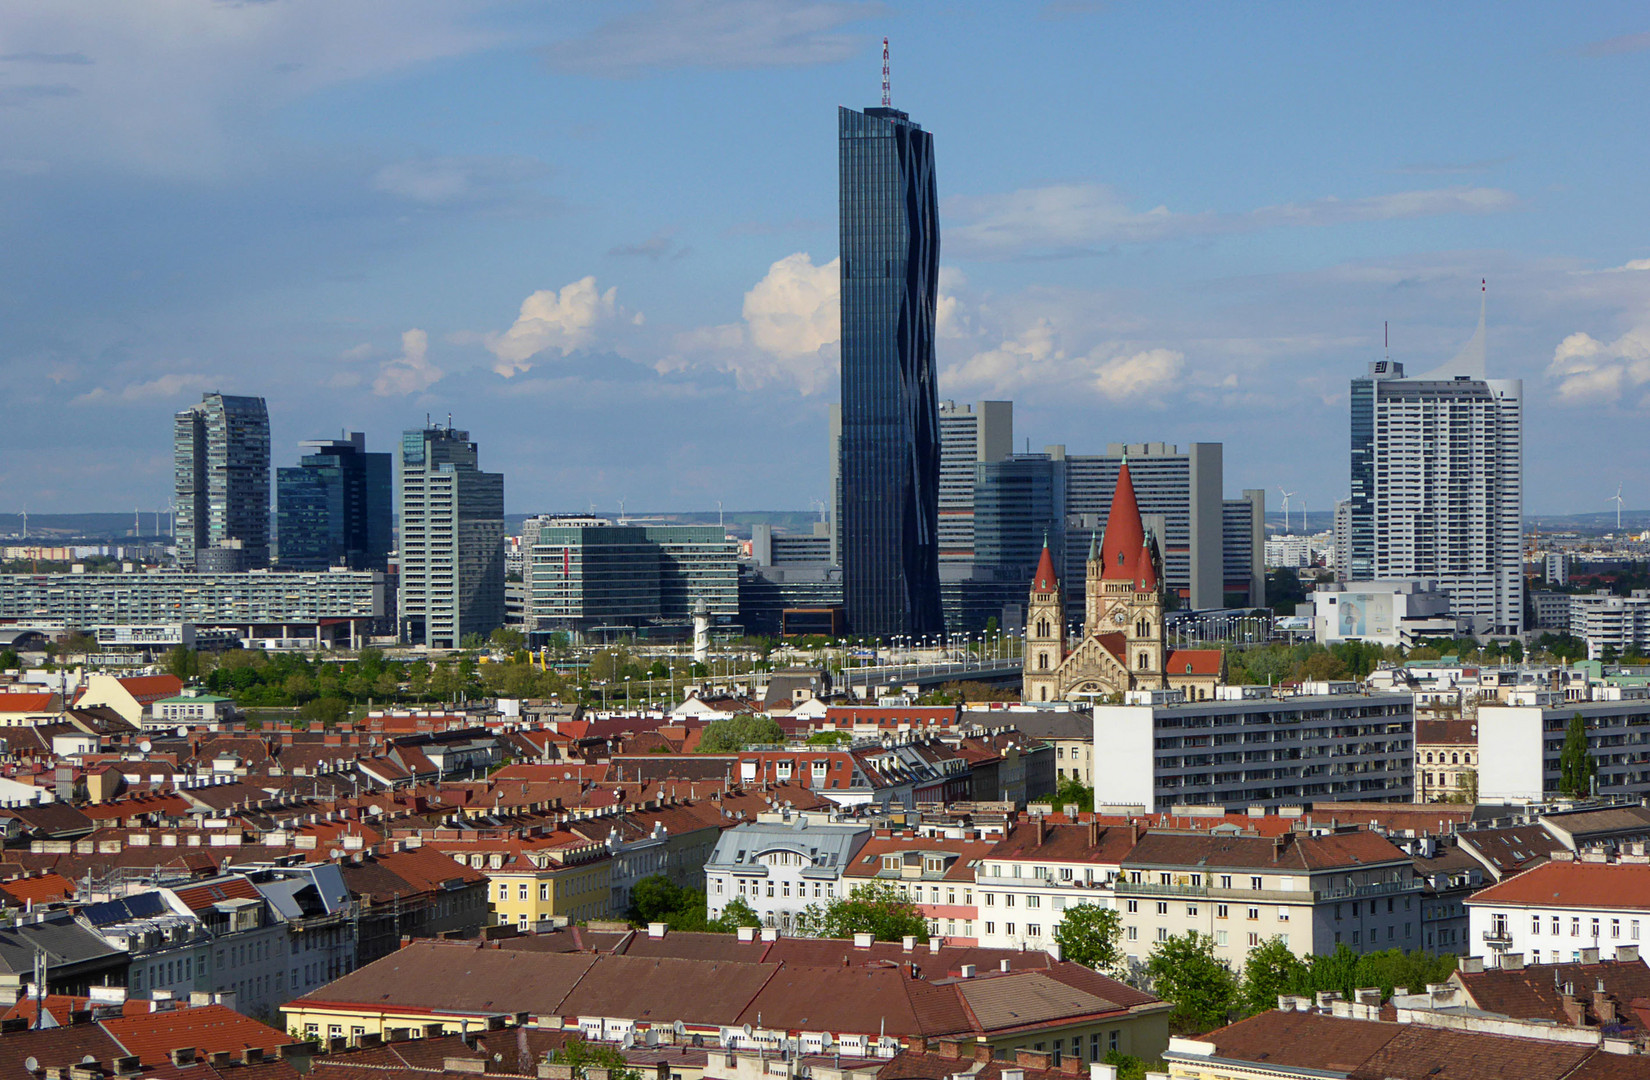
1179 495
969 435
588 575
220 464
336 608
890 466
452 540
1342 540
1399 613
1437 484
1521 743
335 508
1243 549
1246 746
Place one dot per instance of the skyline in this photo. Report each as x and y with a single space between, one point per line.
1158 226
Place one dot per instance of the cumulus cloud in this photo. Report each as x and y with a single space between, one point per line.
1084 218
790 332
411 372
1140 375
717 34
564 321
1590 370
1036 357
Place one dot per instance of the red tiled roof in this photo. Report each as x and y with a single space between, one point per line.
1193 662
208 1028
28 703
149 688
200 897
41 890
1147 579
1573 884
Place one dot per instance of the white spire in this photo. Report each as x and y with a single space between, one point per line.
1470 360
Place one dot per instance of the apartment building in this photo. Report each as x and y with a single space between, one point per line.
1520 744
1250 746
1314 892
1567 910
781 865
1026 883
936 873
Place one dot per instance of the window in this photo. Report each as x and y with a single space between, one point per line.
1132 933
1221 938
1162 907
990 899
503 891
1220 911
1033 901
1254 883
990 928
1254 939
1034 929
521 892
1595 929
1254 914
1283 914
1535 924
1575 927
1134 907
1191 909
1226 881
1163 933
1555 926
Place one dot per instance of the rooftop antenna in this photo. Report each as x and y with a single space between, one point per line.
1386 339
887 99
719 514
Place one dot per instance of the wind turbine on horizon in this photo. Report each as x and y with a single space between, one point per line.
1286 495
1616 498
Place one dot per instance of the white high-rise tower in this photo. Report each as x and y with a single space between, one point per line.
1437 484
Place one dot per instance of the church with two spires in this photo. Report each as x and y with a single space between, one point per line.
1123 643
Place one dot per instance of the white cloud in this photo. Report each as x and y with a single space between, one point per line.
717 34
566 320
454 181
164 386
411 372
1036 359
193 89
790 333
1141 375
1081 218
1589 370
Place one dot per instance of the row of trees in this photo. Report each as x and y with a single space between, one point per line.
1184 970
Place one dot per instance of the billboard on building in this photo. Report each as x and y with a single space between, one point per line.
1363 615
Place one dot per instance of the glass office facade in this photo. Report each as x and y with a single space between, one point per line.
890 444
452 540
334 509
220 462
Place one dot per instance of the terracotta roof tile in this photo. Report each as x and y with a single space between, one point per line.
208 1028
1573 884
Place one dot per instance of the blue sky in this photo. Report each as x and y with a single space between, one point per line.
602 236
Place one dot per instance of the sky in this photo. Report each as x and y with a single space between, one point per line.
602 237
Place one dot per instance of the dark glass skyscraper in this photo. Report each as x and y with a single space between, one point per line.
890 465
220 462
335 508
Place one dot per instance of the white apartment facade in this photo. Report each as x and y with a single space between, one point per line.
1437 484
1555 912
1519 743
781 867
1027 883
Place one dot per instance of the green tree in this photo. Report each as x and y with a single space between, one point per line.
1072 791
1270 970
1576 767
183 662
653 898
735 914
1089 934
582 1056
875 908
10 661
1185 972
508 639
738 733
325 711
830 738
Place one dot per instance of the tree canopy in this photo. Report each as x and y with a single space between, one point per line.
1089 934
738 733
875 908
1186 973
1576 767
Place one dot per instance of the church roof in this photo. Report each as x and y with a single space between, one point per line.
1193 662
1044 581
1147 581
1125 533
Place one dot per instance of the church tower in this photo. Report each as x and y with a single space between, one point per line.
1045 639
1093 608
1145 649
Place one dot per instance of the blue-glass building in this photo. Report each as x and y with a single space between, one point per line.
335 508
888 498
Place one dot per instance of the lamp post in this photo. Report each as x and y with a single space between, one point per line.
627 693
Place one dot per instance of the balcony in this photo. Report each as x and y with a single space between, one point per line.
1498 937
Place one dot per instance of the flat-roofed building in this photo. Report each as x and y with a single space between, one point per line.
1248 746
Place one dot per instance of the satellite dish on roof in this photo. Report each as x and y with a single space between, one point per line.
680 1029
627 1042
747 1031
32 1064
89 1059
146 746
336 853
183 730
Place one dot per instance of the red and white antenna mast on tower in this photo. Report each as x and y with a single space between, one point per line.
887 100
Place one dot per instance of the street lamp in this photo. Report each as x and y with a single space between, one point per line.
627 693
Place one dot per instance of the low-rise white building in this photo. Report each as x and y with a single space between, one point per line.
1399 611
1025 885
1556 911
781 866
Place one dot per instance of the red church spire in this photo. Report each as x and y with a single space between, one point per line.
1147 581
1125 533
1045 581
